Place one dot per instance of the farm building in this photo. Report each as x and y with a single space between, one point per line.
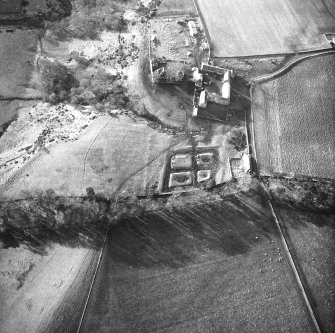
193 28
207 68
218 93
197 77
225 90
203 99
330 38
10 6
217 99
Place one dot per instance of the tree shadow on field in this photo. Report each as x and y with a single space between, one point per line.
300 217
177 236
39 222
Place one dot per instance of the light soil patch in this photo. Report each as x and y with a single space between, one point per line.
29 305
181 161
241 28
16 68
294 120
203 175
109 152
102 50
36 128
10 109
179 179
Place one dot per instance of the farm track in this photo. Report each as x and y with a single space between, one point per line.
274 55
93 279
295 269
144 166
204 26
284 69
91 145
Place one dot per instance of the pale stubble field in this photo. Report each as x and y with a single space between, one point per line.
244 28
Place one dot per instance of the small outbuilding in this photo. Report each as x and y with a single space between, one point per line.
203 99
225 90
197 77
193 28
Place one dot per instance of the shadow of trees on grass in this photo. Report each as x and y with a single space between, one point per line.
39 221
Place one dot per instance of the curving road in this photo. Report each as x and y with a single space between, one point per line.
284 69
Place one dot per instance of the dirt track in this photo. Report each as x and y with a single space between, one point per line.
289 65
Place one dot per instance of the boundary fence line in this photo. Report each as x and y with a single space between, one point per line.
294 269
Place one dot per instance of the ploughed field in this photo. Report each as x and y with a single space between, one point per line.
242 28
294 120
313 238
212 267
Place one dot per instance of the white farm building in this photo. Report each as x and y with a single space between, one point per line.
193 28
225 90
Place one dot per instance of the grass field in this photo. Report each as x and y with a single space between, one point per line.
199 268
313 239
176 7
294 120
108 152
52 288
16 67
239 28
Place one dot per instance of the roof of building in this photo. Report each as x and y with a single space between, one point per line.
193 28
197 77
203 99
213 69
225 90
